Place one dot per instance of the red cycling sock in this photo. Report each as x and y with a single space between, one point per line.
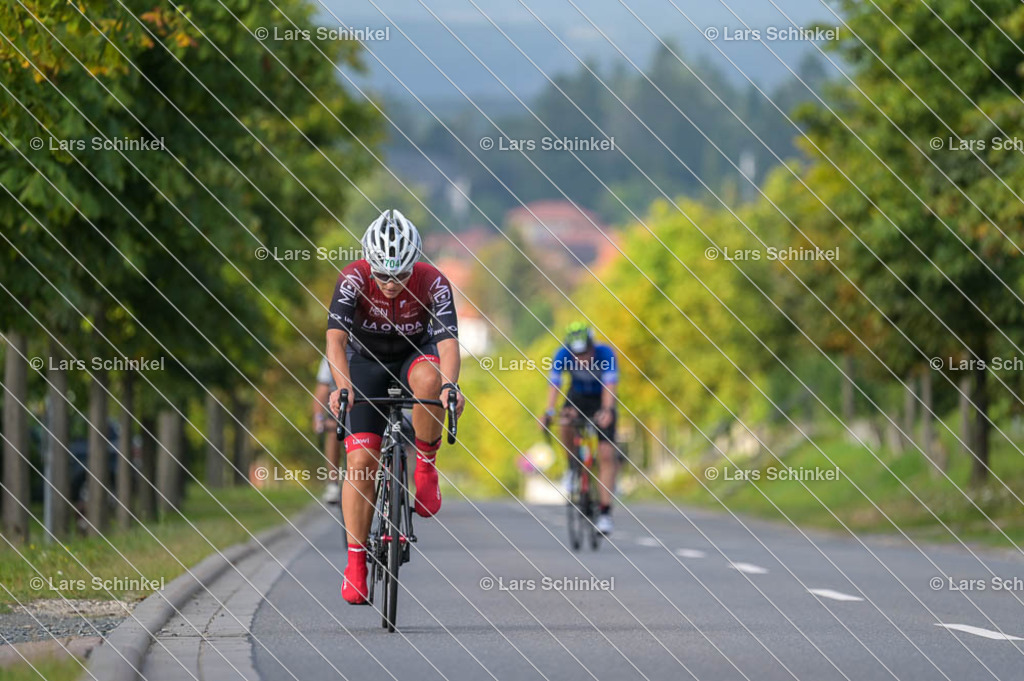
427 450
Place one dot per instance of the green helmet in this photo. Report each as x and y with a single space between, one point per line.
578 337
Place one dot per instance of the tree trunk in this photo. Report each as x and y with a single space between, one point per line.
168 467
15 493
215 457
184 459
849 408
146 482
59 454
909 411
928 441
242 451
964 390
979 468
98 478
894 440
125 472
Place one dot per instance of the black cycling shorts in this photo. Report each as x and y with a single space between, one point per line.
588 405
371 378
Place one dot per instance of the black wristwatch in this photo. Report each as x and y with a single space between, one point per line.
454 386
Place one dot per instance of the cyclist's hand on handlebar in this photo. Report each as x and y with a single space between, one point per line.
335 399
460 401
567 414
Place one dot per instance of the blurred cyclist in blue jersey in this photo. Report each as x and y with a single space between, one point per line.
593 379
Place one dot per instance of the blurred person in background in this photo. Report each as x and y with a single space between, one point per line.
593 380
324 421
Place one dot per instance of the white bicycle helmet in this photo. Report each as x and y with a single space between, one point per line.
392 244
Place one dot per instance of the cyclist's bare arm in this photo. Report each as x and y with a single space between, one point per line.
337 341
608 395
553 392
451 365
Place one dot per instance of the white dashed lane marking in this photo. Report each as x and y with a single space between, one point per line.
749 568
978 631
647 541
834 595
690 553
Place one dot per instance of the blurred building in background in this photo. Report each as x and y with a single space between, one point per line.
564 235
497 290
453 254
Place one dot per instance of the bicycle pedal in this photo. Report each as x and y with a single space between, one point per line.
412 538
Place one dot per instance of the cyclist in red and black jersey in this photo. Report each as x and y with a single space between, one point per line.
391 317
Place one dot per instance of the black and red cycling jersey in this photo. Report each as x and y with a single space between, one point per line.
386 329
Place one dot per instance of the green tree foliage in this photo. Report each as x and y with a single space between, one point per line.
257 146
927 77
904 175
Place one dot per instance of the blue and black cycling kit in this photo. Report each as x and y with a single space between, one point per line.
587 377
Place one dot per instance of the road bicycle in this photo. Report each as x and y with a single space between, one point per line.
582 503
391 531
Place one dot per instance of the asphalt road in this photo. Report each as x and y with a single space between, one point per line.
493 592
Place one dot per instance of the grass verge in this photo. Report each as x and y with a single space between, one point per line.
104 567
48 669
888 494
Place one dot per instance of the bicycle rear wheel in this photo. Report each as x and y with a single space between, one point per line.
574 508
389 613
592 506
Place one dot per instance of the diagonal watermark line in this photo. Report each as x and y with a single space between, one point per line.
83 566
796 176
952 231
287 520
153 536
764 195
158 341
7 642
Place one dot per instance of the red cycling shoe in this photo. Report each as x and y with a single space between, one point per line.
428 493
353 589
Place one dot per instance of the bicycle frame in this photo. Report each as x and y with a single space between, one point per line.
392 471
391 530
582 504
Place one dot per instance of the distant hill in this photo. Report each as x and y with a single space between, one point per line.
418 76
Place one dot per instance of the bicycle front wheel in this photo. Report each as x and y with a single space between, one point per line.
574 510
591 514
394 552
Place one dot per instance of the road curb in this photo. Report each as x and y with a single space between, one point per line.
121 655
